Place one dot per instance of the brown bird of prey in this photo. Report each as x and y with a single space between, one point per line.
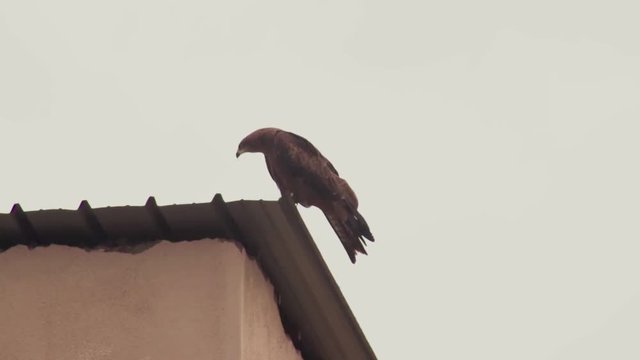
308 178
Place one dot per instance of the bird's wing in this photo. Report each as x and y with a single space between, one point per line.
307 148
299 160
313 175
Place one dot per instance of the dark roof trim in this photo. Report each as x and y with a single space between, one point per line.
313 310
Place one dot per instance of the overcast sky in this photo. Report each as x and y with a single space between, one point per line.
493 147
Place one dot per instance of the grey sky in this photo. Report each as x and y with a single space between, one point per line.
493 147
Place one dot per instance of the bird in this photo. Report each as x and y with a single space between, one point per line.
304 176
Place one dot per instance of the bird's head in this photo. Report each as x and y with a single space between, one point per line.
257 141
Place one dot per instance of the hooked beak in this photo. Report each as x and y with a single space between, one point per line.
238 153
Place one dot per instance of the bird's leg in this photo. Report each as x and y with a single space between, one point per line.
288 195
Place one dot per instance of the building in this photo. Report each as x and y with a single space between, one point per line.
239 280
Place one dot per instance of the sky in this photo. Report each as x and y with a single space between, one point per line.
493 147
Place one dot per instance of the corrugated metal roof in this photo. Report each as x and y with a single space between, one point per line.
313 310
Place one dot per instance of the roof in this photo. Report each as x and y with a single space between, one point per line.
314 312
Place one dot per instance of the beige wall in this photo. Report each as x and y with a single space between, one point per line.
191 300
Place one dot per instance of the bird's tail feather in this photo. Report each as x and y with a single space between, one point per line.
363 227
352 234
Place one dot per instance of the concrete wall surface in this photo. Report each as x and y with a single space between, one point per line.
189 300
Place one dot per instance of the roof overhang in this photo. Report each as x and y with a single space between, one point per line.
313 310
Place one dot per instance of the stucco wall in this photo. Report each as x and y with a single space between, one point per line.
190 300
